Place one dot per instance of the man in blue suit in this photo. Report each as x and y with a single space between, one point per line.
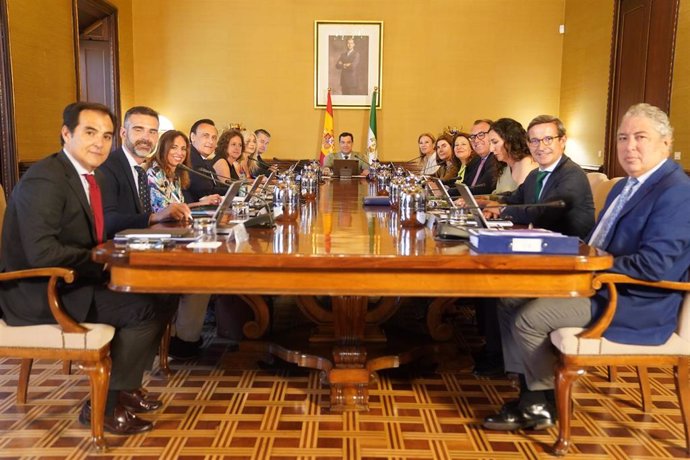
645 225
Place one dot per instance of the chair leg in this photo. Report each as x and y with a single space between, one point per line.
565 377
99 378
645 390
164 350
23 384
67 367
613 374
682 374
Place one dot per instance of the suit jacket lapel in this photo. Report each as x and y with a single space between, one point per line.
127 172
77 188
646 188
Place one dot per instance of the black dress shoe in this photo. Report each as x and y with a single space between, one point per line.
122 422
138 401
183 350
513 417
539 416
509 418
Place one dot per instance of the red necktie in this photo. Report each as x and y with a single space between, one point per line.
96 205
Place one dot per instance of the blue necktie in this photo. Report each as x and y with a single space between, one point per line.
608 221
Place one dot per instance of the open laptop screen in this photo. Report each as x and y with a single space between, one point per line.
345 168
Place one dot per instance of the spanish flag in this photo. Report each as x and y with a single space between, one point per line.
328 140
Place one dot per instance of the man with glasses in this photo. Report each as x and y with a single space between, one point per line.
482 172
557 178
645 225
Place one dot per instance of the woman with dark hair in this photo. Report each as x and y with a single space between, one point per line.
427 154
448 163
166 182
229 156
464 153
508 142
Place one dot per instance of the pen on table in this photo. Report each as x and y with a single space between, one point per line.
177 199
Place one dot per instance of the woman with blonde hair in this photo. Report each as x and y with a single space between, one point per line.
250 151
427 154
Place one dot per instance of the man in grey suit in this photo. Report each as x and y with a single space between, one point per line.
54 218
346 140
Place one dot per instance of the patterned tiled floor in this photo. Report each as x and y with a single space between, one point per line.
226 406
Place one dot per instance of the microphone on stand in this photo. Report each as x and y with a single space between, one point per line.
206 174
547 204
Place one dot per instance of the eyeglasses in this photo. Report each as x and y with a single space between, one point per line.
547 140
480 135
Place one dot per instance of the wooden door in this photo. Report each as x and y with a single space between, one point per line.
641 63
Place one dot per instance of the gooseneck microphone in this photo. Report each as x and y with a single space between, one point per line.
546 204
206 174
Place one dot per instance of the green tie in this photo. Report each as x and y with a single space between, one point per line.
541 176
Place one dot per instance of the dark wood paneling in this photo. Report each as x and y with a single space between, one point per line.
641 63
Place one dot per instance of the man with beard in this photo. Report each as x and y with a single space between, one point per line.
126 195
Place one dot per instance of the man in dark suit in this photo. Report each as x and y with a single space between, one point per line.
204 138
126 196
348 63
482 172
557 178
645 225
54 218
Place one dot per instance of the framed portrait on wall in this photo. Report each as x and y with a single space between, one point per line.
348 57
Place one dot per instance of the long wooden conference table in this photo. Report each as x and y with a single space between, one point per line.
341 249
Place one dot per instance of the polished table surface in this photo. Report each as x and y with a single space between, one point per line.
339 248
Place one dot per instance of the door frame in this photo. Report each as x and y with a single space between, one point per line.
9 169
111 19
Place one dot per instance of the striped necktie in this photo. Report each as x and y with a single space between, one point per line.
608 221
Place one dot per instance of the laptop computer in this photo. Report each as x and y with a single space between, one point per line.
345 168
438 190
473 207
252 189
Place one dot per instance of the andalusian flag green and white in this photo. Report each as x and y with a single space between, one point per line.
371 138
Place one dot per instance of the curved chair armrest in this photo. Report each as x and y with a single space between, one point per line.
54 274
596 330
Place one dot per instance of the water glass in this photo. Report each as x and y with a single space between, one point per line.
205 229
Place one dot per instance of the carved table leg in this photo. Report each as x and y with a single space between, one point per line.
257 328
349 379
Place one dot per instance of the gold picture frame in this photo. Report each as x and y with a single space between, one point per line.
348 59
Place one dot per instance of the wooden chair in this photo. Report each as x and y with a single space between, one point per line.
87 344
580 348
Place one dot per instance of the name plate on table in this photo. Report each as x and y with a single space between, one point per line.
522 241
